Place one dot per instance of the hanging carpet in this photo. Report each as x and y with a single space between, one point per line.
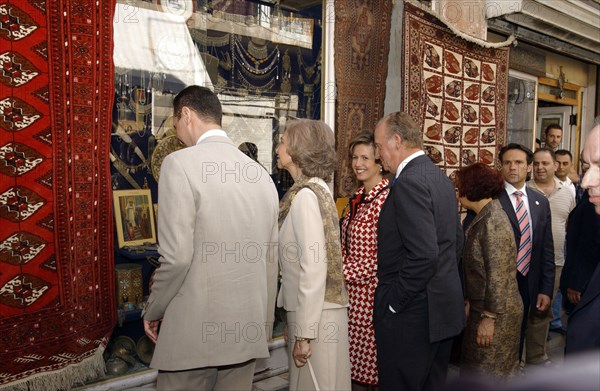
362 40
57 305
456 89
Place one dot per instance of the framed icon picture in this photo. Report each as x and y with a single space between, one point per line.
134 217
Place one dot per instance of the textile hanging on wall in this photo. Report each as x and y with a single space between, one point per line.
57 304
455 89
362 38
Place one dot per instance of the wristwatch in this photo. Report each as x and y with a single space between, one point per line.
302 339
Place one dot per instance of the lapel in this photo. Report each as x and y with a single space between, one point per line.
510 212
534 207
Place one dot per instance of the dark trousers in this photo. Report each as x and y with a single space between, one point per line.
406 359
522 283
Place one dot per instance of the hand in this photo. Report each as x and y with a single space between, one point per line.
485 332
543 302
467 308
285 334
573 296
301 353
151 328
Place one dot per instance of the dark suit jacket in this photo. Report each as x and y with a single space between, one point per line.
583 247
584 321
541 269
419 242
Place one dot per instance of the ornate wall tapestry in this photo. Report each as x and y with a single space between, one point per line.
362 39
57 303
455 89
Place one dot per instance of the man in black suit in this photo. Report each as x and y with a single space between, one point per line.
536 281
582 249
584 321
418 302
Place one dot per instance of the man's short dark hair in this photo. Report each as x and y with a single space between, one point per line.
552 126
202 101
547 150
564 152
520 147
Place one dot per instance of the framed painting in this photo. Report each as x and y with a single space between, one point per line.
134 217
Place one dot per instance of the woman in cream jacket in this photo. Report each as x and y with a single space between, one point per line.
312 285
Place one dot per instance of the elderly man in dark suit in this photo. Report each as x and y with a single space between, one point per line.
581 254
584 321
529 215
418 302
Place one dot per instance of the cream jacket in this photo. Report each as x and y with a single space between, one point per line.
217 231
303 263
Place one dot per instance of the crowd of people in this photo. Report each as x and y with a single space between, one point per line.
376 299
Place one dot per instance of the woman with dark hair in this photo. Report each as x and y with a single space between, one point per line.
310 257
494 309
359 249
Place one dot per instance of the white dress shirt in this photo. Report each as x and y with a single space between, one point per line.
510 189
406 161
210 133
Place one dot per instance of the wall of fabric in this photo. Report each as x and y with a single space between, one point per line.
57 304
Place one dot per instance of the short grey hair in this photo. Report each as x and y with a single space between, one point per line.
403 125
311 145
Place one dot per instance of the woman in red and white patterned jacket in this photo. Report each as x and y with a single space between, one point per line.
359 249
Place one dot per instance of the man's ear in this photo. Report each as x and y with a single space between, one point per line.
186 115
397 140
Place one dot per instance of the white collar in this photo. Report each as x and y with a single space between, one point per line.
210 133
408 159
510 189
567 182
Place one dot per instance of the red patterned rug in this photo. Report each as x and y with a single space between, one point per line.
362 41
455 89
56 228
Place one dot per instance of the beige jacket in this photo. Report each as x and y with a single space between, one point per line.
217 232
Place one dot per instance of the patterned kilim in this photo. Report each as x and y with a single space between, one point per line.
362 40
455 90
56 227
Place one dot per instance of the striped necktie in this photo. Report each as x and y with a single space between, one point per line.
524 253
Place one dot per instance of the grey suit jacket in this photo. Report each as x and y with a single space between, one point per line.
217 232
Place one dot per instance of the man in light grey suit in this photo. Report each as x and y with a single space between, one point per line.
213 293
